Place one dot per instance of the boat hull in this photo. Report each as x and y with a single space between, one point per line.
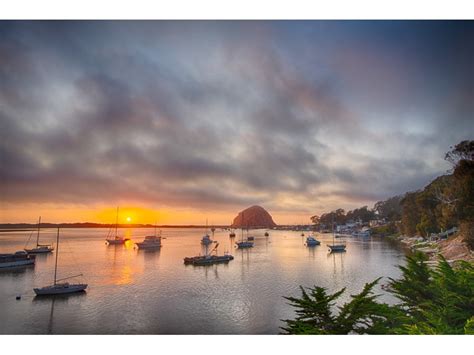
312 244
243 245
39 250
147 247
209 260
19 263
337 248
116 241
60 290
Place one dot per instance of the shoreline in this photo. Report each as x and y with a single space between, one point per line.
453 249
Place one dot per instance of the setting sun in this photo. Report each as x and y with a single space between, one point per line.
129 219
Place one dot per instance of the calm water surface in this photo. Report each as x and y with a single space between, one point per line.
138 292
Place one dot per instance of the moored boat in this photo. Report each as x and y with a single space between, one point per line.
311 241
116 240
20 258
40 248
60 288
244 243
150 242
335 248
208 259
206 240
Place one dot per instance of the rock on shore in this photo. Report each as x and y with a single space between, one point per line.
253 217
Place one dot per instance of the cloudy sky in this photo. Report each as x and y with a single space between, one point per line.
183 121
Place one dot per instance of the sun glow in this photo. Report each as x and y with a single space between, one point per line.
129 219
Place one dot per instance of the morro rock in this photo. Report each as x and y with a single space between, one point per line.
253 217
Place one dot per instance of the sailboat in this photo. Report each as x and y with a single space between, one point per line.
333 248
244 244
117 239
58 288
40 248
206 240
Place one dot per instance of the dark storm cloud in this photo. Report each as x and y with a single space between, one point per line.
220 115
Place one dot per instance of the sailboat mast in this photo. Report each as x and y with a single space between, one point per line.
116 223
332 229
38 234
57 253
242 226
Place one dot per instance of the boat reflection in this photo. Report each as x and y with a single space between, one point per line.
56 299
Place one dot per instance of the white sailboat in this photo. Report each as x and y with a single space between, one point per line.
244 243
117 240
206 239
334 248
40 248
60 288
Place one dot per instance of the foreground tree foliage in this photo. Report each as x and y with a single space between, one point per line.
432 301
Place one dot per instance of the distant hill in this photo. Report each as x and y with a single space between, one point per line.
253 217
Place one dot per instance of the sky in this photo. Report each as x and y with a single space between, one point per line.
182 121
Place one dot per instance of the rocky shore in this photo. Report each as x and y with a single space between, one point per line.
452 249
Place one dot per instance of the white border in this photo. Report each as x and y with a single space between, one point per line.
236 345
243 9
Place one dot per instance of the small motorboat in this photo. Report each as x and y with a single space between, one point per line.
20 258
244 244
311 241
150 242
334 248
